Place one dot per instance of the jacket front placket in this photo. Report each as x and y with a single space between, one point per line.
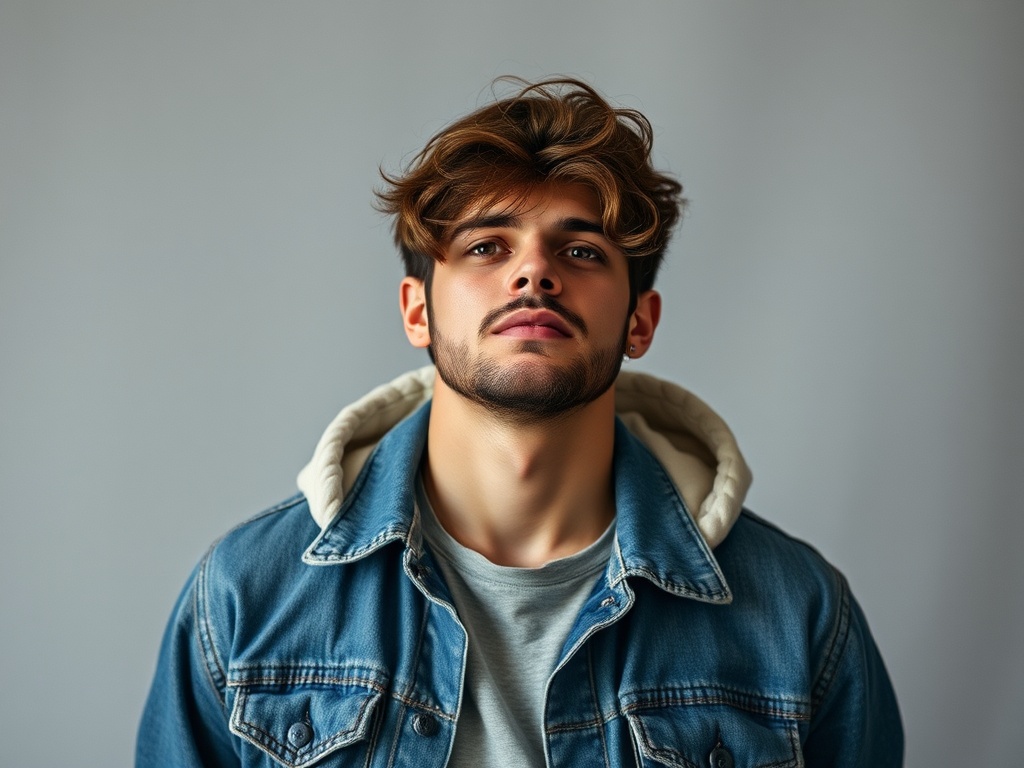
656 541
575 728
425 725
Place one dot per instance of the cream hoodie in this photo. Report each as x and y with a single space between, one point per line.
690 440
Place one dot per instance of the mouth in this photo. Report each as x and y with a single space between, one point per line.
534 324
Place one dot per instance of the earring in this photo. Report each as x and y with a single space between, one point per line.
631 352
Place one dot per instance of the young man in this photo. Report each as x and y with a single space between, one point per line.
521 557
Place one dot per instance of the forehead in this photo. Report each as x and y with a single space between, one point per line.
556 200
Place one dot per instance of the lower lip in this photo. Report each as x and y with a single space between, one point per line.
532 332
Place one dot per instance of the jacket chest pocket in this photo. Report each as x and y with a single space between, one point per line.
713 736
304 725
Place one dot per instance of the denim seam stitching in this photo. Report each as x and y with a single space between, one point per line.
351 670
371 745
288 503
212 666
720 694
308 680
580 725
674 588
420 705
794 741
386 536
597 705
662 753
725 700
393 751
738 700
794 762
836 646
242 666
404 697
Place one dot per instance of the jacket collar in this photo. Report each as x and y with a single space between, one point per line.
690 441
656 534
379 508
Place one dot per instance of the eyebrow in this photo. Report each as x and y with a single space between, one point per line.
574 224
493 221
513 221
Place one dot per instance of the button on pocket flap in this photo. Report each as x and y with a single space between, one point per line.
297 725
695 736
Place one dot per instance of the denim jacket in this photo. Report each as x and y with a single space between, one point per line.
320 636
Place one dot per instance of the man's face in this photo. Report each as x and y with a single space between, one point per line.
527 315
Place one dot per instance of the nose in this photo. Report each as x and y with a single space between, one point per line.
535 271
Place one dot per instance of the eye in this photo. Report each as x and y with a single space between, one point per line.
584 253
486 248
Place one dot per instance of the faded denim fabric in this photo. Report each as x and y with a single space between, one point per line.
295 647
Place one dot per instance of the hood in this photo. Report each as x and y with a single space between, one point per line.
690 440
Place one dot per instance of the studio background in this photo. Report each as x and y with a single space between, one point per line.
193 281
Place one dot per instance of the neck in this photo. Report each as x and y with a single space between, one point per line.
521 494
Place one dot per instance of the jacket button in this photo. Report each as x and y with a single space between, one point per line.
424 724
720 758
299 735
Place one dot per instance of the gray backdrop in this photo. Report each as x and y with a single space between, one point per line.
193 282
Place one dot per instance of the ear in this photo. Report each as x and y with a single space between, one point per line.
412 302
642 323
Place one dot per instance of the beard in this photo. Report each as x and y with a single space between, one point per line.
527 391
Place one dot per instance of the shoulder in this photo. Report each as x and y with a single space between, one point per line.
760 557
786 587
281 531
855 717
259 558
776 574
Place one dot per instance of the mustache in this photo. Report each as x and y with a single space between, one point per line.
530 301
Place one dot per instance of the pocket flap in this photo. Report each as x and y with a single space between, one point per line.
686 736
297 725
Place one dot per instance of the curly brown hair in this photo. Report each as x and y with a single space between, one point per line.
555 130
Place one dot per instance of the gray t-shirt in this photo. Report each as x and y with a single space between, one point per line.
517 620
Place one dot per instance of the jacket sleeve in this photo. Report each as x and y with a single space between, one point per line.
856 720
185 721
